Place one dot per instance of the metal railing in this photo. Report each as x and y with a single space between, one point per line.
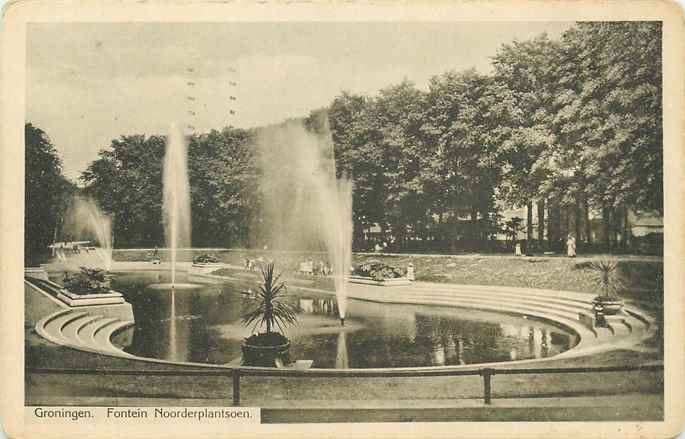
236 373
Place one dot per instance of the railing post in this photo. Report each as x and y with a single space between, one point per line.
236 387
487 389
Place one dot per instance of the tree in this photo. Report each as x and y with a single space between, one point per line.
224 187
462 122
524 73
609 118
126 181
398 117
355 139
46 193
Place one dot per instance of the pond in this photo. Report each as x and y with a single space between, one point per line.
203 325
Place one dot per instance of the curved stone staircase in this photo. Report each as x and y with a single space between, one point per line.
91 332
570 309
83 330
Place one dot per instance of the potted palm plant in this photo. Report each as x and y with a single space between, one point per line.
271 312
608 280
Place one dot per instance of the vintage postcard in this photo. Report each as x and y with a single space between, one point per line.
342 219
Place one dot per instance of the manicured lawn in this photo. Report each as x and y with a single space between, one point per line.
642 276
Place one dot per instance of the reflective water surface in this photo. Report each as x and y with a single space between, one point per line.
203 325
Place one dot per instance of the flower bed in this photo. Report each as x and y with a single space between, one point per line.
378 273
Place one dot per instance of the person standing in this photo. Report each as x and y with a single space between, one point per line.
571 246
410 272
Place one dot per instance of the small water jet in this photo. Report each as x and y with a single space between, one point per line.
84 220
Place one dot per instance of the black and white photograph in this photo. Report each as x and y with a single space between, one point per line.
312 222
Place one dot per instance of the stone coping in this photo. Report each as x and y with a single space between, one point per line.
112 294
397 281
88 300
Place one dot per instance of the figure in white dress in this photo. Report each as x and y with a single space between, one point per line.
410 272
571 246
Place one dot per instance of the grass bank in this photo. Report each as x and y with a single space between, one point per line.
642 276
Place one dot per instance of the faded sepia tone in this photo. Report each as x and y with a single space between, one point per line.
262 224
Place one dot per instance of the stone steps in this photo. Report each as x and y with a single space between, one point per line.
534 303
624 325
55 325
634 316
569 319
567 296
92 332
507 294
82 330
458 296
71 330
103 337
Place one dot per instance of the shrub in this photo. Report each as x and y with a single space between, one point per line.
87 281
205 259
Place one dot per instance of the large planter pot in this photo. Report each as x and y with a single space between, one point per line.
607 306
265 356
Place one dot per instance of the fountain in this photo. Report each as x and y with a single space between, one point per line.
176 198
305 202
335 201
86 221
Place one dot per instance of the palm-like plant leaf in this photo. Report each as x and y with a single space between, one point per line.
271 310
607 277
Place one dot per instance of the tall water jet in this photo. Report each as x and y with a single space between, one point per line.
335 212
306 204
176 196
84 220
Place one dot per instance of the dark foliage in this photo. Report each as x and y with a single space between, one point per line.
87 281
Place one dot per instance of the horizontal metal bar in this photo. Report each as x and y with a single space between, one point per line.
160 372
650 367
319 373
357 374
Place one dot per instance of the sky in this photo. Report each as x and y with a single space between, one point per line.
90 83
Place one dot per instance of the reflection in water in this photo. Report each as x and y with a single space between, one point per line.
460 351
531 342
307 306
173 355
321 306
341 359
203 325
438 355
